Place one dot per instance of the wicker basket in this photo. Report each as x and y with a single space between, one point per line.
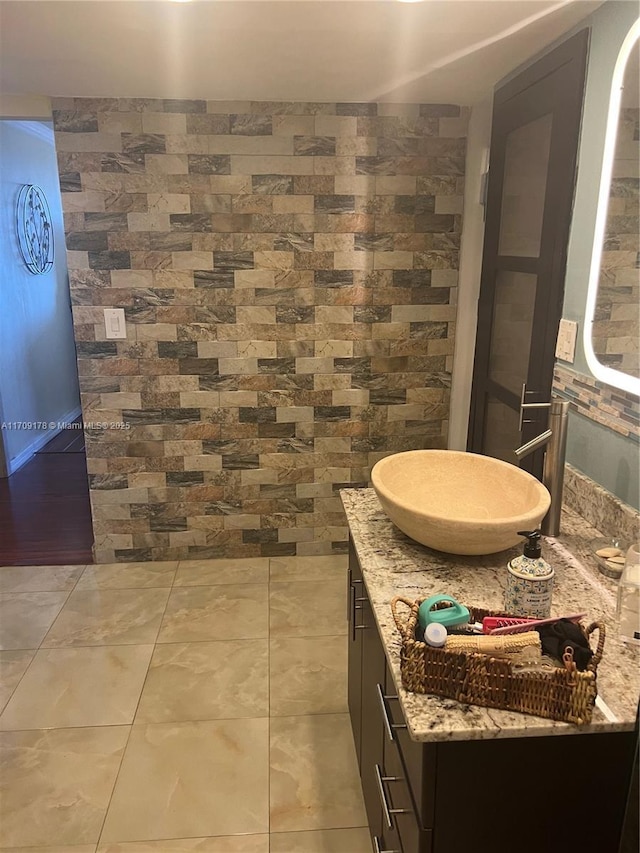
561 694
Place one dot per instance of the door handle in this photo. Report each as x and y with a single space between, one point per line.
524 407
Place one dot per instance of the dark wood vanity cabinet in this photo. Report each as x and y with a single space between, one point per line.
552 794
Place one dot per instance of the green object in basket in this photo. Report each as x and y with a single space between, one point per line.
456 614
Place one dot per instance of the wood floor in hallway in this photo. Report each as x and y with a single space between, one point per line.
45 515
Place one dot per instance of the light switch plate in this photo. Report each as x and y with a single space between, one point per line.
114 323
566 343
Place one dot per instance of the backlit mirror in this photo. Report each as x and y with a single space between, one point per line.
612 327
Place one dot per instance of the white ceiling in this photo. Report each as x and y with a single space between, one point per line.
309 50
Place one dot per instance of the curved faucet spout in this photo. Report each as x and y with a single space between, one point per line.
534 444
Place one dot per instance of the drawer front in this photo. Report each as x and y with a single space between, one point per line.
419 759
413 839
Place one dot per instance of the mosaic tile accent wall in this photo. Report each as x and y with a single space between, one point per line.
618 410
289 276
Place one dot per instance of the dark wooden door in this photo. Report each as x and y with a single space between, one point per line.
534 142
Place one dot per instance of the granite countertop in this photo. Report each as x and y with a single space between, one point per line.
392 564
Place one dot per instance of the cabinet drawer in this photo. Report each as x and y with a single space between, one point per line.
419 759
413 838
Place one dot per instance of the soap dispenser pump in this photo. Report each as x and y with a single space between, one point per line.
529 581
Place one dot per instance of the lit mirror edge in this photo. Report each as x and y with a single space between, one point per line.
613 377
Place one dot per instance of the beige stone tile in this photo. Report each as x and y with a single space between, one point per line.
198 779
39 578
164 123
220 844
88 142
106 617
242 164
13 665
308 675
97 686
206 681
221 612
393 261
192 260
335 125
314 774
321 841
169 203
395 185
309 568
25 617
210 572
56 784
128 575
257 145
308 608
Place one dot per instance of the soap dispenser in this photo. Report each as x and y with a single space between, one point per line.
529 581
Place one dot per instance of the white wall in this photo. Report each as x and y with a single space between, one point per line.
478 140
38 376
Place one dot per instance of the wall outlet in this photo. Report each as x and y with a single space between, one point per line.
566 343
114 324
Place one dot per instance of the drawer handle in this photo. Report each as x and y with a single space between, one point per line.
351 583
353 608
389 726
378 849
380 779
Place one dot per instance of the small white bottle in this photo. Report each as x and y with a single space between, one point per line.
628 607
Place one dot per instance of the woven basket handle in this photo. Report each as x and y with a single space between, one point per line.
400 625
597 655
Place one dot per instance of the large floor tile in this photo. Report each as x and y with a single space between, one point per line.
98 686
308 609
206 681
191 779
39 578
108 617
57 848
308 675
13 665
308 568
322 841
25 617
223 612
56 784
221 844
206 572
128 575
314 774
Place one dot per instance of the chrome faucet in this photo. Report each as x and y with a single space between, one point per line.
555 440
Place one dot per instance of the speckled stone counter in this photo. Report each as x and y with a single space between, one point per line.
392 564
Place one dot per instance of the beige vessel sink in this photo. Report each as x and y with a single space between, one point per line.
460 503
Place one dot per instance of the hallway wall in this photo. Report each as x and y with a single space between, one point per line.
289 276
38 378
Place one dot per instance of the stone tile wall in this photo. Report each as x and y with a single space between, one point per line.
288 274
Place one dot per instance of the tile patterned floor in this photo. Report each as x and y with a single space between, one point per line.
193 707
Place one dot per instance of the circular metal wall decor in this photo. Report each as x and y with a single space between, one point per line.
35 233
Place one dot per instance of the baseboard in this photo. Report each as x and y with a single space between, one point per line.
39 442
